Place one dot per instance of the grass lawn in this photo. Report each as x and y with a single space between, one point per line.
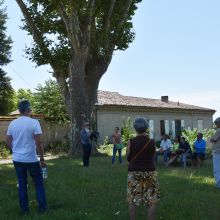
99 193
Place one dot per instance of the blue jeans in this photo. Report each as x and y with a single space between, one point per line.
184 156
216 168
34 170
166 155
86 154
114 154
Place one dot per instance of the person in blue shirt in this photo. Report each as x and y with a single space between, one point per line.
85 136
199 150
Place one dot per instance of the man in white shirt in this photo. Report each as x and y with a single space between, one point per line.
23 138
165 147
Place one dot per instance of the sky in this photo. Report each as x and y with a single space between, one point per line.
176 52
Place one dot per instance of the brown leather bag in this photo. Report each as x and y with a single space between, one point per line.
140 151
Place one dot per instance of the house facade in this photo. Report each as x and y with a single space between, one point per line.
111 109
164 116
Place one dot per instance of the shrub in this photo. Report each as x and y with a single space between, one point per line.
58 147
106 147
191 136
127 130
4 152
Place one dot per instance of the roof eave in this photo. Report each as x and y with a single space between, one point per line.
160 109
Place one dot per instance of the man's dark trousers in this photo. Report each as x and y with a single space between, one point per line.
34 170
86 154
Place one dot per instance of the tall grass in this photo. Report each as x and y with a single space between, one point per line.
99 192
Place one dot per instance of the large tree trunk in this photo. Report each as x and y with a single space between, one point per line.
83 95
90 58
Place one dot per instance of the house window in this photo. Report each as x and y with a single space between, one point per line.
182 124
200 125
173 129
177 126
164 127
151 128
167 127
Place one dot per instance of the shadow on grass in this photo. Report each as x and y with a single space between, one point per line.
187 194
99 192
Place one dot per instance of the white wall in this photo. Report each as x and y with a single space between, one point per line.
107 120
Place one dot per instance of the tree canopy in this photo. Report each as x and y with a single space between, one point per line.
102 25
6 90
77 39
49 101
25 94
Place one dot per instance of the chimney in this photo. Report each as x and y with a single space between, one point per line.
165 99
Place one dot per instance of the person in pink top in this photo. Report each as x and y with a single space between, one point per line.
116 139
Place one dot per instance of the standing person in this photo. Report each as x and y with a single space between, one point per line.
199 150
142 185
23 138
116 139
85 135
165 147
216 152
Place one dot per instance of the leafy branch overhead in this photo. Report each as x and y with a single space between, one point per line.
77 39
100 27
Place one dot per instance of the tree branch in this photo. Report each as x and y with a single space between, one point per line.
38 38
124 16
91 4
63 14
110 46
108 16
37 35
64 89
75 29
71 26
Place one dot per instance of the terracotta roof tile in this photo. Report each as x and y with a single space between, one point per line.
106 98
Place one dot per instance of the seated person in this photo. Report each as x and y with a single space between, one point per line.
183 148
165 147
175 146
199 150
184 145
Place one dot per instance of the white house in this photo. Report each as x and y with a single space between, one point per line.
164 116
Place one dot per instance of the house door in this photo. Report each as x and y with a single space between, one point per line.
178 127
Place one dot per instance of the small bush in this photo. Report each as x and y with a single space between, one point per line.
191 136
58 147
106 147
127 130
4 152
